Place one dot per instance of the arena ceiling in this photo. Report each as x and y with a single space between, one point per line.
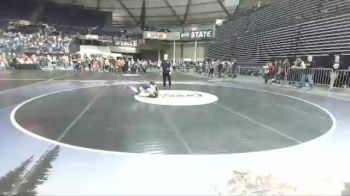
161 12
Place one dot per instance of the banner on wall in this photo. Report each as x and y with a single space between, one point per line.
125 49
161 35
86 49
91 37
197 35
133 43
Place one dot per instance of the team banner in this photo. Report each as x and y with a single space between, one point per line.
197 35
161 35
89 37
133 43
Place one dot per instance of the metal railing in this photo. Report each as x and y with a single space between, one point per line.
249 71
326 77
313 76
340 79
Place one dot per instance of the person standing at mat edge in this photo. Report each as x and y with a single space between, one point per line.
166 70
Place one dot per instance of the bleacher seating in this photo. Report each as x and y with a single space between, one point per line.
52 13
287 28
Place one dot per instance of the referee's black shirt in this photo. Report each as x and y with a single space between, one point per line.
166 66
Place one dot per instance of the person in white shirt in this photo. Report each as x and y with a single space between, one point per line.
334 74
2 63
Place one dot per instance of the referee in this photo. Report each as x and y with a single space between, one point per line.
166 68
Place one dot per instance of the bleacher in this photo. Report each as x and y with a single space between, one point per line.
287 28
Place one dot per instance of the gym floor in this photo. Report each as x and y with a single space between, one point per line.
84 133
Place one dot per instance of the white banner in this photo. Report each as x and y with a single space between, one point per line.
161 35
133 43
93 37
127 50
85 49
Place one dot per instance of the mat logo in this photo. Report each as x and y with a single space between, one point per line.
180 95
179 98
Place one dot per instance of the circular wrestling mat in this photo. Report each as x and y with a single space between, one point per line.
108 118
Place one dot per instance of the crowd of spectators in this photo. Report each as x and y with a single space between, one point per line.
305 72
44 41
48 47
300 72
41 44
99 63
210 67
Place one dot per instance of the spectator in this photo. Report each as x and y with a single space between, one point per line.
275 73
2 63
268 70
144 66
285 66
14 63
220 67
203 67
211 69
347 80
297 74
232 68
310 74
334 74
125 68
306 72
